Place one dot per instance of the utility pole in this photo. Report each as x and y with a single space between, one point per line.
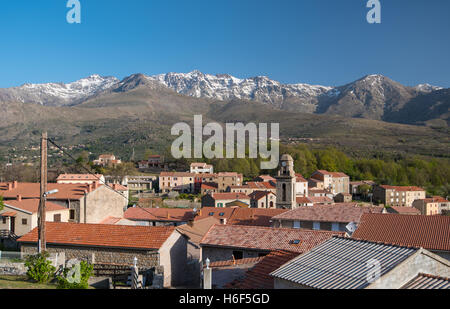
41 227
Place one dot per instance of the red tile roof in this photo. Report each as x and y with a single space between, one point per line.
230 196
103 235
259 276
32 205
333 174
404 210
241 216
341 212
402 188
429 232
177 174
257 195
264 238
321 199
159 214
32 190
197 229
300 178
79 177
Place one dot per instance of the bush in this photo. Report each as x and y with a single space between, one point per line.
76 277
40 269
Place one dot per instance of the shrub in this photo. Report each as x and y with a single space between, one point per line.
40 269
76 277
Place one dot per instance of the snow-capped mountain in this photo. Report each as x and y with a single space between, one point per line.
59 93
226 87
427 88
369 97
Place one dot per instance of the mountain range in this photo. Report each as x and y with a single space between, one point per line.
372 97
365 117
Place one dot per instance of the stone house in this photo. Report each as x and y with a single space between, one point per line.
397 195
176 181
87 203
236 242
337 182
396 265
431 206
251 187
343 198
117 244
201 168
221 199
263 199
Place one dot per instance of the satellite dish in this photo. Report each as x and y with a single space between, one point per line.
351 227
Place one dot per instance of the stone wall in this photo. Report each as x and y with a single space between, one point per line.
101 255
9 268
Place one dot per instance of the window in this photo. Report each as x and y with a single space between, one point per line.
295 242
316 226
4 220
238 255
284 195
57 218
211 214
72 214
335 226
24 221
222 214
296 224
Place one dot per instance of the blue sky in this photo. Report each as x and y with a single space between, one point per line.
326 42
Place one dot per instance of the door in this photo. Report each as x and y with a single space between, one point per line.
13 225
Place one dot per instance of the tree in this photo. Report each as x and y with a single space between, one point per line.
2 205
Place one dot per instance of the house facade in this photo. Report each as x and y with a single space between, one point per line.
118 244
336 182
397 195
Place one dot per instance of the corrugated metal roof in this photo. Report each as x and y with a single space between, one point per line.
341 263
424 281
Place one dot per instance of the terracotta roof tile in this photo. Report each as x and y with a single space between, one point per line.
32 205
340 212
103 235
230 196
159 214
32 190
264 238
429 232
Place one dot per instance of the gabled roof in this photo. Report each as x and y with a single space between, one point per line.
341 263
32 205
103 235
197 229
425 281
241 216
429 232
257 195
177 174
230 196
159 214
332 174
264 238
344 213
32 190
402 188
403 210
259 276
80 177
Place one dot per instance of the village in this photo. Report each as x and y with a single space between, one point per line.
201 229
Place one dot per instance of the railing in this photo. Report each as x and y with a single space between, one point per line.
8 234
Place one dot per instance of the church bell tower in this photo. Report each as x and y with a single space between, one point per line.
286 197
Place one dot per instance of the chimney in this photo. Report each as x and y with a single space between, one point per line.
10 186
15 184
19 198
95 185
90 187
